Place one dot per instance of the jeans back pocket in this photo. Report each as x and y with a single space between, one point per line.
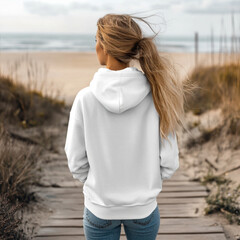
146 220
95 221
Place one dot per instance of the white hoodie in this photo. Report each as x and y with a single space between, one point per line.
113 145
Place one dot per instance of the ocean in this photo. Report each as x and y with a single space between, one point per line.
86 43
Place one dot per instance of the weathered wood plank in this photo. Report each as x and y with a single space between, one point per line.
200 221
194 211
181 183
65 172
164 214
74 212
164 229
162 208
55 194
166 188
214 236
161 201
79 185
63 238
70 182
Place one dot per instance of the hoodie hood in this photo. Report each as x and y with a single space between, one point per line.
119 90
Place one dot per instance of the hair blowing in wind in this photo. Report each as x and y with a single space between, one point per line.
122 38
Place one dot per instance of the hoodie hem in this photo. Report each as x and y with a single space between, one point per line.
120 212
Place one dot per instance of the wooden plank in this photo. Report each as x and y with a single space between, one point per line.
195 209
189 188
164 229
77 186
62 238
170 207
177 178
182 183
54 194
63 171
65 184
63 231
68 183
214 236
182 194
80 188
194 229
161 201
168 188
200 221
164 214
166 207
70 179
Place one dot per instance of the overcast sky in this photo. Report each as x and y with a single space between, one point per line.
175 17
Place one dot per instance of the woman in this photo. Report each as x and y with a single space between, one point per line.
121 141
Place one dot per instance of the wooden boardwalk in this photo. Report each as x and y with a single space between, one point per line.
181 204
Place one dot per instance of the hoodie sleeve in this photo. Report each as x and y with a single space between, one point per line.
169 156
75 144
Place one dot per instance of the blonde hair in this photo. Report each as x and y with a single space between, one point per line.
122 38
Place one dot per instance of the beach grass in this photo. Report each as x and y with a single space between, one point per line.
23 106
18 168
10 225
218 87
226 201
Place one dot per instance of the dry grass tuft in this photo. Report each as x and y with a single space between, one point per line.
10 224
21 105
226 201
29 108
18 169
218 86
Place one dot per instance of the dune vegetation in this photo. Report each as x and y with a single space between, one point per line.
218 87
21 107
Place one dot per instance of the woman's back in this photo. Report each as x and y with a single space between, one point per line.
119 128
121 141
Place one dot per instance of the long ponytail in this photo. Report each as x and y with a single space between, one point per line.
122 38
167 90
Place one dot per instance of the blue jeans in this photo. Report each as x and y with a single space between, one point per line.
140 229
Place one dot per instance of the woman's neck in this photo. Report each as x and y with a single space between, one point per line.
114 64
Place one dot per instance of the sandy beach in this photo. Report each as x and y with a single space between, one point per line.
71 71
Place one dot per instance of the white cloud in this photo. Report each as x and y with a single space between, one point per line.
11 8
182 16
52 9
212 7
60 7
45 9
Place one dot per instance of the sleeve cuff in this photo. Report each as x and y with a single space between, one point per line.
165 176
79 177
